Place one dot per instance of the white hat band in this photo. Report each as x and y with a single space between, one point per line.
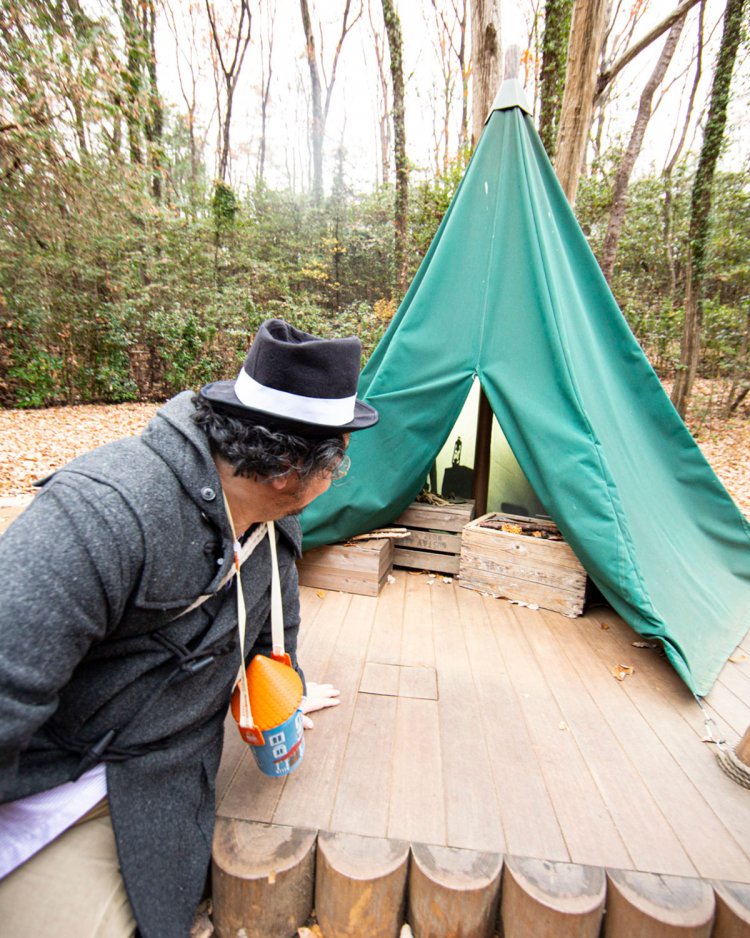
335 411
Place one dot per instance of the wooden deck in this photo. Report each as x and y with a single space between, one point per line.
486 773
485 753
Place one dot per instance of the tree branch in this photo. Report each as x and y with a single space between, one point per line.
606 77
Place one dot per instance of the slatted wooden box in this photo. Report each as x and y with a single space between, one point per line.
362 567
434 541
522 567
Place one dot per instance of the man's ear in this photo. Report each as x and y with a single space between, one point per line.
280 483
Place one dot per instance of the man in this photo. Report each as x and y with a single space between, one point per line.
118 636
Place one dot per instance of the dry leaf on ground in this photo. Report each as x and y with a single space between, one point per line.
621 671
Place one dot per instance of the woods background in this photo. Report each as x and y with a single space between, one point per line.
172 172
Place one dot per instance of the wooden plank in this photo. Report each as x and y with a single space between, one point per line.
707 811
587 825
728 709
521 546
654 906
395 680
472 803
417 809
432 540
415 681
490 583
732 910
453 892
262 879
333 579
385 639
308 796
360 886
352 568
680 728
249 795
356 568
530 825
539 569
649 838
523 568
551 900
309 607
362 800
735 676
317 638
436 518
426 560
380 679
417 644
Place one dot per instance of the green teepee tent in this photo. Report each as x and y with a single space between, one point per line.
510 293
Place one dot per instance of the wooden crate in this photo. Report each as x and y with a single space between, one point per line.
434 541
521 567
362 567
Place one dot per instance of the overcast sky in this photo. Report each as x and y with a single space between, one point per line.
354 106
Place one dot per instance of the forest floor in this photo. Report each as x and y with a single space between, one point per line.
34 443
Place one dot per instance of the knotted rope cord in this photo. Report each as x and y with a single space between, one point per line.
725 756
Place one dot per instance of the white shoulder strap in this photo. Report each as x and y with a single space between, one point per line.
277 611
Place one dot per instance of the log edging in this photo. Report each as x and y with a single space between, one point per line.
268 879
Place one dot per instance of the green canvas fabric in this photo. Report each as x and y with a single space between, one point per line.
509 292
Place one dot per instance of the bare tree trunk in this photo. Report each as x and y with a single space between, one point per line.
400 258
452 44
668 208
186 49
701 202
461 9
320 107
316 127
622 179
230 72
444 43
584 49
133 71
267 72
487 67
384 117
554 62
154 123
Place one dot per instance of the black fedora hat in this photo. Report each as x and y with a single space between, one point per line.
293 381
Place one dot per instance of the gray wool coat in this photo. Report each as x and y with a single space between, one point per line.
95 666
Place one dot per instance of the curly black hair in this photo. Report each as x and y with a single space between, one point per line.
262 452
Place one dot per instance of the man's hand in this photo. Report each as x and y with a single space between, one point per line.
319 696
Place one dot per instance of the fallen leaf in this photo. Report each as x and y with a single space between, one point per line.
735 659
320 594
621 671
604 626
